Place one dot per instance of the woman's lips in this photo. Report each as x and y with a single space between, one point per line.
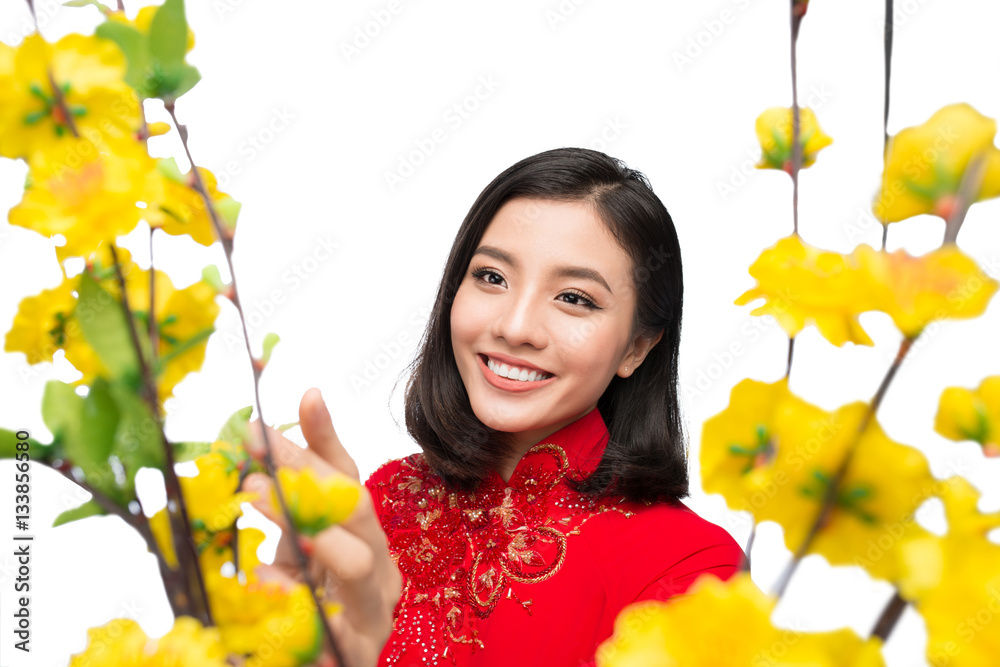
506 383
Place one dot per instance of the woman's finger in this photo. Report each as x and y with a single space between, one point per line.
317 427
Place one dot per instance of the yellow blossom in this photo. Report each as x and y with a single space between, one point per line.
675 633
177 208
213 503
804 285
89 203
925 164
773 454
89 74
966 414
159 525
316 504
954 582
914 291
774 131
41 324
122 643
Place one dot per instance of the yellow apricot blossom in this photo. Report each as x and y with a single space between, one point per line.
316 504
773 454
803 285
41 324
915 290
675 633
774 131
954 582
90 203
972 414
925 164
177 208
88 73
213 502
122 643
159 525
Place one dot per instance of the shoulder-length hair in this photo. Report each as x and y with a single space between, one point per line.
645 457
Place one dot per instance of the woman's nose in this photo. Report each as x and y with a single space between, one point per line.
520 320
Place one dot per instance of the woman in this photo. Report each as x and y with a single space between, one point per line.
547 494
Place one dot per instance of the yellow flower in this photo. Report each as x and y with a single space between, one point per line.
774 131
122 643
954 582
213 503
678 633
143 19
773 454
925 164
89 73
804 285
42 323
914 291
159 525
90 203
316 504
178 209
965 414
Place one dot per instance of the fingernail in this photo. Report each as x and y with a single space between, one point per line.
307 544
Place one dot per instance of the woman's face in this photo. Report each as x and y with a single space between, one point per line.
548 288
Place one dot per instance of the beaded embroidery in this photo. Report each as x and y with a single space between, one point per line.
459 551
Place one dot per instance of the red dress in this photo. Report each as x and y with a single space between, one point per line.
529 572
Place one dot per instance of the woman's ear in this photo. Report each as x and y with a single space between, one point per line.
640 348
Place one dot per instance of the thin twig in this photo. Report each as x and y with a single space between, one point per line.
226 238
972 180
887 62
890 615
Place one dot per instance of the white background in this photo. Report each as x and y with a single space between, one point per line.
599 74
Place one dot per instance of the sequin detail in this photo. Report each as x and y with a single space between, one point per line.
460 552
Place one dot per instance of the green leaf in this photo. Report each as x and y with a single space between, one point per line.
189 451
237 428
210 274
270 340
168 37
138 440
229 211
167 166
187 78
102 320
37 451
135 46
89 508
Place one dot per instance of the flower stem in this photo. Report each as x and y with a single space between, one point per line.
887 49
890 616
187 552
796 18
227 245
832 488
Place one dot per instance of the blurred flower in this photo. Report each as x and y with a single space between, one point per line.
774 131
89 74
316 504
213 503
925 164
159 525
773 454
93 202
914 291
177 208
966 414
804 285
41 324
122 643
954 582
685 632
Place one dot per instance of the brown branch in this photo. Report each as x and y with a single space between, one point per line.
187 552
972 180
60 100
227 245
894 608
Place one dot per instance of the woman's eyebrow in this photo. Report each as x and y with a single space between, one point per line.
581 272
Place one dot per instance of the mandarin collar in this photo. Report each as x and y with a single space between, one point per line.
583 441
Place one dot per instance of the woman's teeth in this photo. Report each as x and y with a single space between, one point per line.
515 373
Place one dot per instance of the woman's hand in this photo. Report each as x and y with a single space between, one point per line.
351 557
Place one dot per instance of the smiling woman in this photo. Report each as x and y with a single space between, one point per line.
547 496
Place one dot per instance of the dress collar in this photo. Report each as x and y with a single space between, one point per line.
583 442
